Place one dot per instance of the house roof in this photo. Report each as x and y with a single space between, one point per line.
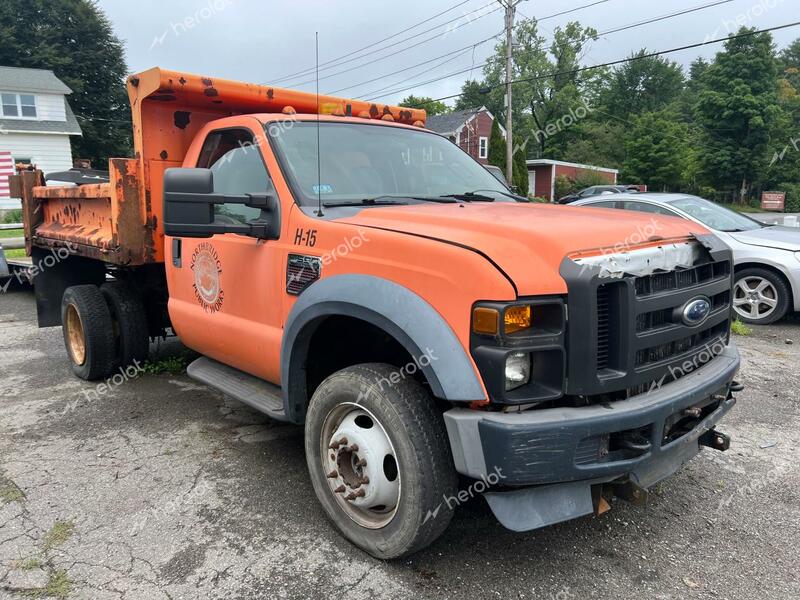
17 79
536 162
450 122
68 127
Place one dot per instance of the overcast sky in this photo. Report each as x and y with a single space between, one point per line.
267 40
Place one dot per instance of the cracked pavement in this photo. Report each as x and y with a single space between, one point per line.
162 488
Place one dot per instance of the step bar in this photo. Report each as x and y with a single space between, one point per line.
257 393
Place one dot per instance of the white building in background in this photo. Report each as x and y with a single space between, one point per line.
35 123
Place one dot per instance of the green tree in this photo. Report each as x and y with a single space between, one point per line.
75 40
657 148
497 157
643 85
736 110
433 107
543 100
474 94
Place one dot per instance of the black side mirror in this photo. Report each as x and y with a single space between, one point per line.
189 201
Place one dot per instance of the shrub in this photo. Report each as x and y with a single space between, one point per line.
792 196
13 216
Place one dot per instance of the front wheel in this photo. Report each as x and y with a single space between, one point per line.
379 460
760 296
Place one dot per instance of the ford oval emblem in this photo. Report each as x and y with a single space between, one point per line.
696 311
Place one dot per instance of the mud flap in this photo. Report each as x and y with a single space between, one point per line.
536 507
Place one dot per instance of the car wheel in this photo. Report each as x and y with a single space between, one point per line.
379 460
88 332
760 296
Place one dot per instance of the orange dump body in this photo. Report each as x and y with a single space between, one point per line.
120 222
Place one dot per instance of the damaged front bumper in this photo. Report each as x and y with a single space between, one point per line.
558 455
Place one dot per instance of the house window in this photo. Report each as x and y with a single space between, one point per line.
18 105
483 147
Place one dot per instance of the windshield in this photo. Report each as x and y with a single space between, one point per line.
363 161
715 216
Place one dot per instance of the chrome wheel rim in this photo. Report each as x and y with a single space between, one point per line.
360 465
755 298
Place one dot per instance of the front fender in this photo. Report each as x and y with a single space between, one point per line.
401 313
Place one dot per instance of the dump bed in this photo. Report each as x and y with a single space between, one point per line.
120 222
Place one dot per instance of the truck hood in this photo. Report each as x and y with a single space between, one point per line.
528 242
782 238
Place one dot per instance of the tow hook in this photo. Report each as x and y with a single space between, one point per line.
736 386
716 440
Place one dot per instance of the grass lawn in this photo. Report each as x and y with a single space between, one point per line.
746 208
13 233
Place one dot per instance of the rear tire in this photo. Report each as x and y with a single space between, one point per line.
132 338
88 332
397 419
760 297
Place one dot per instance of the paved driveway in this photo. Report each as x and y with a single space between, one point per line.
161 488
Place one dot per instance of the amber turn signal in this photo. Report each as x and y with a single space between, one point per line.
517 318
485 321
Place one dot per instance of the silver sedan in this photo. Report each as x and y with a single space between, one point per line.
766 257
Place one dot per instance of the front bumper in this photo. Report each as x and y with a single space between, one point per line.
565 446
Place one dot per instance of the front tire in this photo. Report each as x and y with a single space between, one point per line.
379 460
760 297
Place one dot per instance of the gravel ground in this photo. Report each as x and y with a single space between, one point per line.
161 488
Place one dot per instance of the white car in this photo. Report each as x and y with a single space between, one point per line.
766 257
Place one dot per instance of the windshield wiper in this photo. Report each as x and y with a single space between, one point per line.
470 197
389 200
477 196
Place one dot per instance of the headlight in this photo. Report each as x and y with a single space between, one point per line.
518 370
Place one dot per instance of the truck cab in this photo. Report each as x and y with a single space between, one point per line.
342 268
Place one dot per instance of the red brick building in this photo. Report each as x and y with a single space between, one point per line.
468 129
542 173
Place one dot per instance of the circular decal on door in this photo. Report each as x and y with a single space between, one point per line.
207 270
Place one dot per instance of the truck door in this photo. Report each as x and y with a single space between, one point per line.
225 297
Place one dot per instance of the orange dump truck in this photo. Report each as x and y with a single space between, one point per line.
340 267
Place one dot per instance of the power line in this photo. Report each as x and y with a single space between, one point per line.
441 64
632 58
663 17
558 14
460 50
625 27
425 41
338 61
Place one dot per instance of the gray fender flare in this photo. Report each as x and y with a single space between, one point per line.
400 312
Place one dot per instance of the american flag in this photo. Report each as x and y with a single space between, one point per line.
6 169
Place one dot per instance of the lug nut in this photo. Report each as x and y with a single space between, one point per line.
361 462
340 490
353 495
365 480
333 474
353 448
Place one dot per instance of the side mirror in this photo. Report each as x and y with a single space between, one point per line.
189 201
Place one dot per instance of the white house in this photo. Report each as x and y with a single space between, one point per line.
35 122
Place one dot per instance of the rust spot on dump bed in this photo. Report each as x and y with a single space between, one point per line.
163 155
181 118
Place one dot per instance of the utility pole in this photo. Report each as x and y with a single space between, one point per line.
510 6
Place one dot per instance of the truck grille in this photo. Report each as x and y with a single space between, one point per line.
652 305
627 331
